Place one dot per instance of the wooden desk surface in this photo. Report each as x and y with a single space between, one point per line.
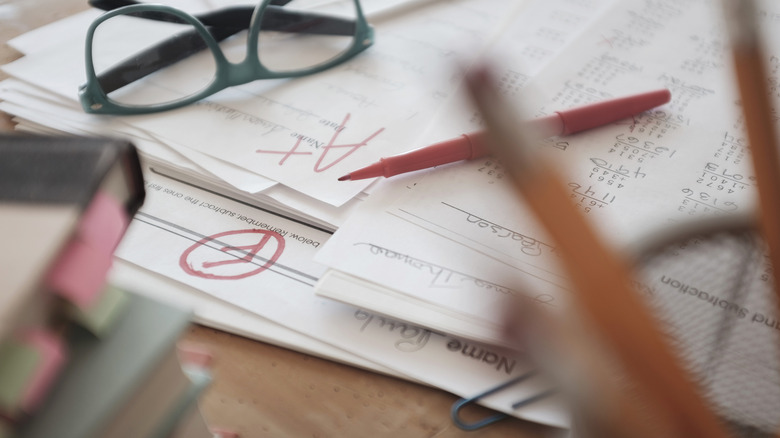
260 390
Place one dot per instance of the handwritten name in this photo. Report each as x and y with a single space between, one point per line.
528 245
236 115
412 338
442 277
447 278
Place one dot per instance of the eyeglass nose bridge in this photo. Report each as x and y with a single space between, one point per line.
238 73
247 70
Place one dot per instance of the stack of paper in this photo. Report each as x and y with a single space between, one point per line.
237 141
412 281
233 234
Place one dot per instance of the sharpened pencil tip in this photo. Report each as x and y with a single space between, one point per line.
345 178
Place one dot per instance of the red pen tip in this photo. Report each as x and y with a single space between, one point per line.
345 178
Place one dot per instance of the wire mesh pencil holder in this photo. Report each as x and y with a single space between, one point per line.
710 284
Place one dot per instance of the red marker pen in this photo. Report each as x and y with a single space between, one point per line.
470 146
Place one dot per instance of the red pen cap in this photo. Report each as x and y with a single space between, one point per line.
602 113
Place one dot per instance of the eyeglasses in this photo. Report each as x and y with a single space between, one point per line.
144 58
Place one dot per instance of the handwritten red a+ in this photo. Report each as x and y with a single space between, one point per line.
318 166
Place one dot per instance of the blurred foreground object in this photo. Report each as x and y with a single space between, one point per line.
603 283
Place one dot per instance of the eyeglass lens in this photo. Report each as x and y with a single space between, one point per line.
310 33
131 56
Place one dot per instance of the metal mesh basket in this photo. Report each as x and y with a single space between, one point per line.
711 286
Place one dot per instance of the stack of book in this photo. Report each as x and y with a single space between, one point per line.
78 357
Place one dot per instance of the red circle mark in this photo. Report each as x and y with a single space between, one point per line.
249 251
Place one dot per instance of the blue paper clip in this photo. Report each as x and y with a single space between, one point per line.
460 404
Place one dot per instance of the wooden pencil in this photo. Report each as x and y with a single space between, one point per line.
752 83
601 280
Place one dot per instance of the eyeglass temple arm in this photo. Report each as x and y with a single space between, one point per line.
275 18
158 57
109 5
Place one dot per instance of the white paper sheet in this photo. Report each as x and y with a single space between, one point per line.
263 263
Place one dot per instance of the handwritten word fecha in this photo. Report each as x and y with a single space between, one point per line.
247 254
331 146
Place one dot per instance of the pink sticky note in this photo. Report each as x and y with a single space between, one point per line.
80 271
104 223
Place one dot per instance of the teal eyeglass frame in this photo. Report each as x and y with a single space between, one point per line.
95 101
